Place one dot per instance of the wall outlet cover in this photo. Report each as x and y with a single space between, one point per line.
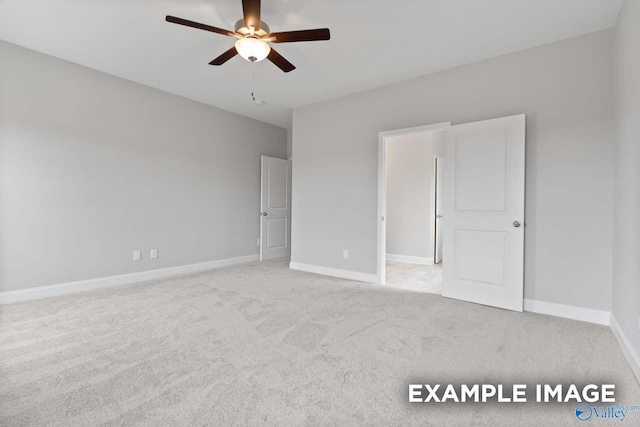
137 255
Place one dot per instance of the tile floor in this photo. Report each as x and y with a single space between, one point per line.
419 278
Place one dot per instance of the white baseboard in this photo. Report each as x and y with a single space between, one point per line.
632 356
123 279
599 317
410 259
335 272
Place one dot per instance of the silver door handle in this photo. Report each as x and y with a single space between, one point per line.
264 214
516 224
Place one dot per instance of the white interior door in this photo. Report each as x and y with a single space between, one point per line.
275 209
439 211
484 211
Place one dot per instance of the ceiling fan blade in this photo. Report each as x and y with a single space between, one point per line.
224 57
199 26
280 62
251 9
300 36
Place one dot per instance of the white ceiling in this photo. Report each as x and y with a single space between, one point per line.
373 42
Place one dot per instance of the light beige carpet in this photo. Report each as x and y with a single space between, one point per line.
259 344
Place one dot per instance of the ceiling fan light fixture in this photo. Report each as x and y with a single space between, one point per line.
253 35
252 49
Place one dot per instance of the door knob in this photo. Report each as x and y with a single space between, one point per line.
264 214
516 224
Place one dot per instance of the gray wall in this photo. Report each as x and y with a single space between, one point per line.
410 165
93 167
566 90
626 244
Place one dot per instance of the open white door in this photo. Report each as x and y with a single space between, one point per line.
275 208
484 211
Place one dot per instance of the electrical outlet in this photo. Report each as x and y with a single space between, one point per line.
154 253
345 254
137 255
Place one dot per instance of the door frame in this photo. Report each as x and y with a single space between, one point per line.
434 201
382 187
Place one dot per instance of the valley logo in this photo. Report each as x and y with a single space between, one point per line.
585 412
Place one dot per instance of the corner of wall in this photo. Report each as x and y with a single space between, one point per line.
626 229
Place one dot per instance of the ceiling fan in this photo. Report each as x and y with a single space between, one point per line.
253 35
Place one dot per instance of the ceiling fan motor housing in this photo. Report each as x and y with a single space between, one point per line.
262 32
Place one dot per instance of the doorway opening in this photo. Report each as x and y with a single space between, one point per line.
483 226
411 208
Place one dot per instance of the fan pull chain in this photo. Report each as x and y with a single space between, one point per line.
258 102
253 84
